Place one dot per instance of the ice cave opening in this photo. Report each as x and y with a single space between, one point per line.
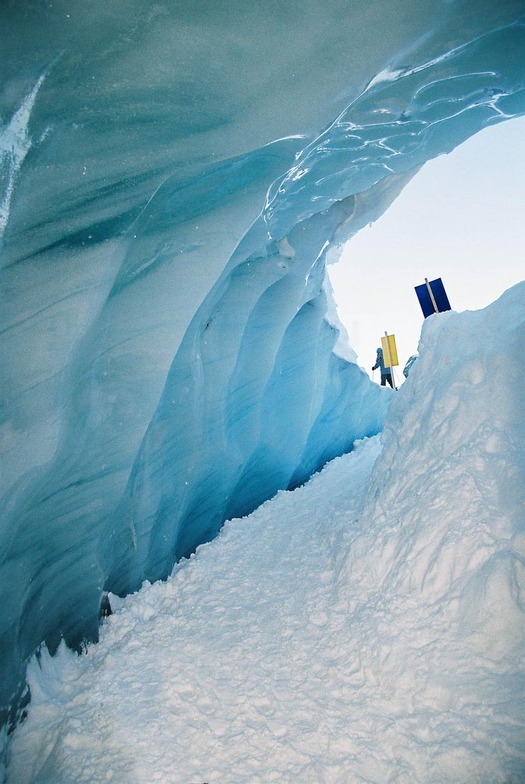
456 220
174 178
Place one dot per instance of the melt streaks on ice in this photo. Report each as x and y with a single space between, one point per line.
364 628
15 143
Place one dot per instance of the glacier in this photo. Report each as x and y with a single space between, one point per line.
368 626
175 178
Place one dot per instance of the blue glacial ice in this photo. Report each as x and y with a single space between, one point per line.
367 627
174 179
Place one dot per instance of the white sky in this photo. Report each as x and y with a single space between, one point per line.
462 219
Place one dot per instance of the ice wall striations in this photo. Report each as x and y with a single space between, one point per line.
173 176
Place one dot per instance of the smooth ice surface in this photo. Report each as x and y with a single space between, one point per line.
366 627
174 176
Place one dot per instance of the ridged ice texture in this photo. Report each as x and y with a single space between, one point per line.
173 176
367 627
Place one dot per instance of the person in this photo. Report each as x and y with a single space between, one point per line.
386 374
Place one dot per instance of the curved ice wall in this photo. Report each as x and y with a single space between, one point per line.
173 176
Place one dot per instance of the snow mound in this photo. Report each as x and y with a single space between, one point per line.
366 627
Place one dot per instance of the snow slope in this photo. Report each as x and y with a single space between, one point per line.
366 627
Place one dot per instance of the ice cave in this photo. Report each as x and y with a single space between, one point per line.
175 176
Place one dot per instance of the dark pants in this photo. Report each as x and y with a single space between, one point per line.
386 378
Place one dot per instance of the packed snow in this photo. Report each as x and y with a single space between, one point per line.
367 627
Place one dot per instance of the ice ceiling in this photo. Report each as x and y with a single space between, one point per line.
174 175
